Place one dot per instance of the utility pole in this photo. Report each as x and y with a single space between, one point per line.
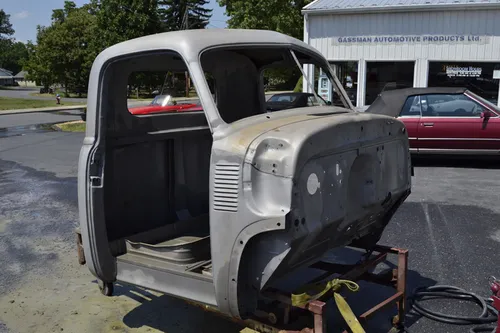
185 26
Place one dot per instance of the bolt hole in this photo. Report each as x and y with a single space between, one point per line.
279 224
274 165
233 280
241 242
361 128
296 222
303 220
268 117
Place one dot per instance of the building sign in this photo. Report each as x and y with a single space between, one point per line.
412 39
458 71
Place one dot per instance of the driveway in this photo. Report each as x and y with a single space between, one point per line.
8 121
449 224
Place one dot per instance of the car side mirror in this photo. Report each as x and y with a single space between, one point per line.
486 114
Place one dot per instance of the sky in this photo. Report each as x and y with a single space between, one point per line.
25 15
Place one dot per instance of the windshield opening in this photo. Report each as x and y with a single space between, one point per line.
248 78
484 101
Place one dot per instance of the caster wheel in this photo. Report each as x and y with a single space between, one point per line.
106 288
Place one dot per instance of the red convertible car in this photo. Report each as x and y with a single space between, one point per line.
444 120
164 103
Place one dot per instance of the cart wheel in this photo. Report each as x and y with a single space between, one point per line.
106 288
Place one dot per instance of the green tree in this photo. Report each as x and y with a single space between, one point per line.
120 20
37 64
5 26
184 14
12 55
279 15
65 50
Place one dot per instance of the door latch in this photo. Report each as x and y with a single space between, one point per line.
95 181
95 171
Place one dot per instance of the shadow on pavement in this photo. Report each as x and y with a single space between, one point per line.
172 315
457 162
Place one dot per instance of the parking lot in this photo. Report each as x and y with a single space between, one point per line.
450 224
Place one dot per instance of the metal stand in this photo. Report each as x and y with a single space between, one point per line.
395 278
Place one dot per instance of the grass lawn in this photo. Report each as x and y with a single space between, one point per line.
71 126
7 103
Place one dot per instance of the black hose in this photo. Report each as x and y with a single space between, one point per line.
488 315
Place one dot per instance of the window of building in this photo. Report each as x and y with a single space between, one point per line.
347 73
381 76
475 76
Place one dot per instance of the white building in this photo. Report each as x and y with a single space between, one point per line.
22 81
383 44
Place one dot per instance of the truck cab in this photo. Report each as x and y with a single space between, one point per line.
219 204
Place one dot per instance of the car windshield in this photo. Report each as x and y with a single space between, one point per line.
163 100
283 98
484 101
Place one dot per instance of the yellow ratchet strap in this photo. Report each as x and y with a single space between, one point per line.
300 300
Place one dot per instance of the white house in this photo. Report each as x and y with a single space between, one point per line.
6 77
21 79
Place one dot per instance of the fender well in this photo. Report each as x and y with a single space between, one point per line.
255 256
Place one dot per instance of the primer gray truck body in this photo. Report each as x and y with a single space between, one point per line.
216 211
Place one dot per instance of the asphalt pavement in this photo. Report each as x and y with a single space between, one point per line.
450 224
21 92
8 121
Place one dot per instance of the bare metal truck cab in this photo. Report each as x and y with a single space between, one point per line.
218 205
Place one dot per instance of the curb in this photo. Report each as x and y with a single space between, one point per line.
46 109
